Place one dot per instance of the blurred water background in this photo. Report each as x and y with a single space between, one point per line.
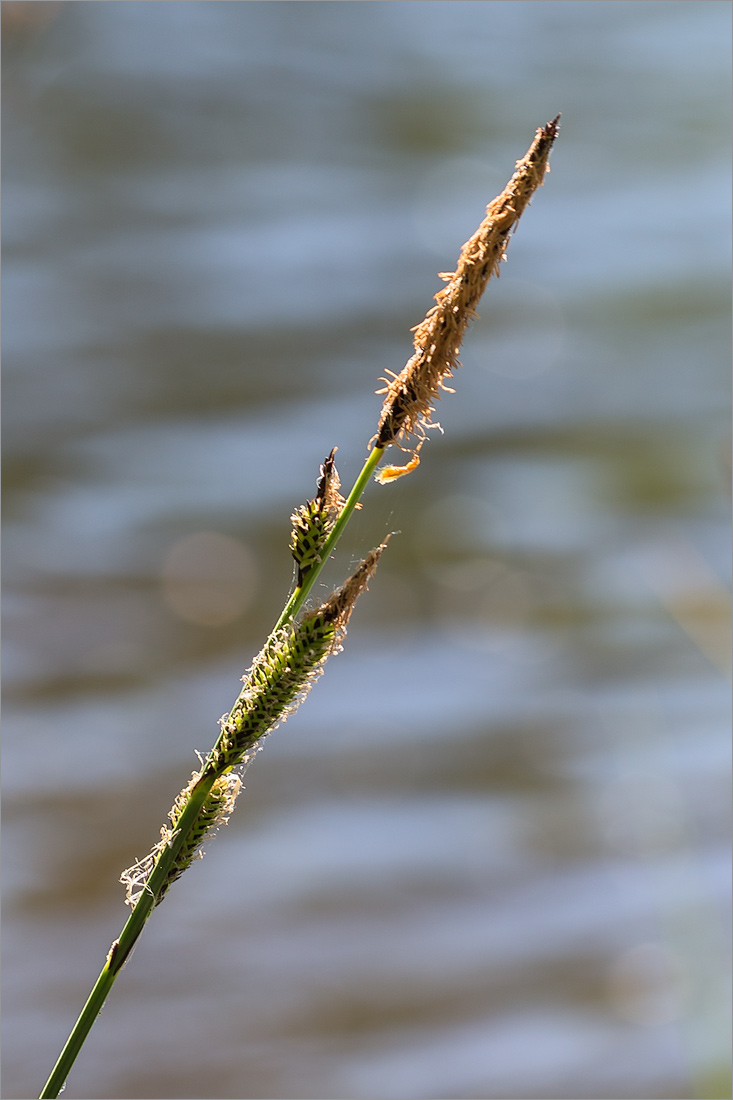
490 855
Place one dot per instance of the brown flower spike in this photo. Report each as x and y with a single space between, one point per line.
410 395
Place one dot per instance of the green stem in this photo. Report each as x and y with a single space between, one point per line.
122 948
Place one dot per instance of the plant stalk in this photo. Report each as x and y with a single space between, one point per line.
405 414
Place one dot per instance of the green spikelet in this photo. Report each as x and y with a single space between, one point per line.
214 812
284 671
280 676
310 531
313 522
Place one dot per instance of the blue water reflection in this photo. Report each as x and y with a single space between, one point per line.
490 855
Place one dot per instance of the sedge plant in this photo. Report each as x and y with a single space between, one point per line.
302 639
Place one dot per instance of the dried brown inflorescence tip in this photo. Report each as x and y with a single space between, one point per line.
410 395
339 605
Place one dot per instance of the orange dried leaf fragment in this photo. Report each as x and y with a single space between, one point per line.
391 473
